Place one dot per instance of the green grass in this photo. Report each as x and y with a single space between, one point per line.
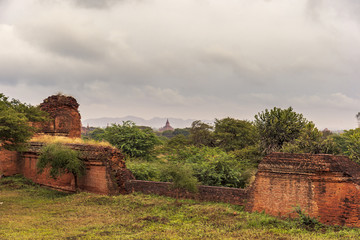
28 211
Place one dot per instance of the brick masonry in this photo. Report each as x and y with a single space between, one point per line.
8 162
325 186
105 168
65 119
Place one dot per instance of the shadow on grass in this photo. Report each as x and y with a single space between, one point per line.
18 182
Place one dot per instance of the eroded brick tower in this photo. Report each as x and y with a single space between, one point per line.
64 115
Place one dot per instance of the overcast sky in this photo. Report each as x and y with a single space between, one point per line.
200 59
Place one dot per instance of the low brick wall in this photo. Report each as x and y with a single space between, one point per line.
104 169
8 162
324 186
205 193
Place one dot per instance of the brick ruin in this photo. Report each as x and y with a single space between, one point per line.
106 172
64 115
326 187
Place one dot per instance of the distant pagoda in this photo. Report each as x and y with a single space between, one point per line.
167 127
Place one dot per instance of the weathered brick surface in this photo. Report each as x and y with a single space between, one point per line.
325 186
64 114
8 162
205 193
102 167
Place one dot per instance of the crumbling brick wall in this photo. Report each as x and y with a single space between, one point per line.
325 186
8 162
103 165
65 119
105 168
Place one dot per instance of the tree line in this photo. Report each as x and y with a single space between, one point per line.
225 153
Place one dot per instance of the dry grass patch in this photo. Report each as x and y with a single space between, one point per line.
66 140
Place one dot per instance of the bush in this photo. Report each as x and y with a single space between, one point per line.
148 171
182 177
132 140
60 159
212 166
305 220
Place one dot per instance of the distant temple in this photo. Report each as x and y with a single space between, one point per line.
167 127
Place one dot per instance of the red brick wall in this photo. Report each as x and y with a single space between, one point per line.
325 186
64 115
338 201
28 169
205 193
102 165
8 162
277 194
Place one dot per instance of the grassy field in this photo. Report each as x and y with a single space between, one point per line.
28 211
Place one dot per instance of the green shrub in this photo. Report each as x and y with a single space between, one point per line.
132 140
60 159
149 171
305 220
212 166
182 177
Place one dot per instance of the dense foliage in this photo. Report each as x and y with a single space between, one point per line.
15 118
278 126
182 177
226 153
348 144
232 134
201 134
132 140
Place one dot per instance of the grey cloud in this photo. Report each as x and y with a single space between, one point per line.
183 58
65 41
100 4
96 3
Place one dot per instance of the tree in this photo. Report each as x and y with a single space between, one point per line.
15 122
60 159
311 140
131 140
349 143
97 134
201 134
181 131
232 134
278 126
177 142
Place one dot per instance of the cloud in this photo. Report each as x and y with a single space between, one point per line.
100 4
198 59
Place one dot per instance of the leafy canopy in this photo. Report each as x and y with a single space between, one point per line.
15 118
311 140
278 126
132 140
201 134
232 134
349 143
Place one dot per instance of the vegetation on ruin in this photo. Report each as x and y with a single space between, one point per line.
15 116
60 159
29 211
